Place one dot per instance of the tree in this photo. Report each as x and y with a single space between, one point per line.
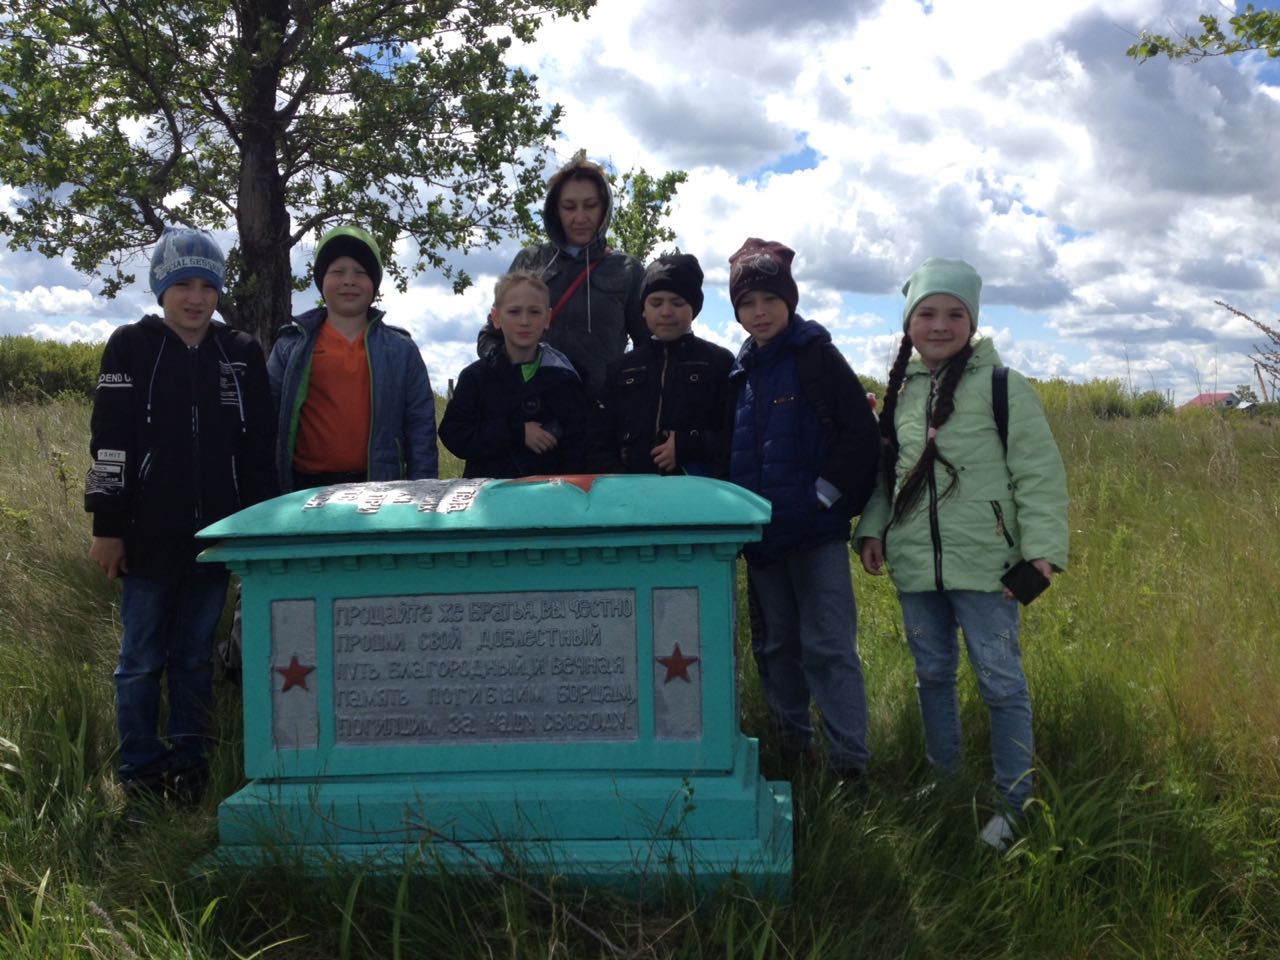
641 204
644 203
1252 30
283 117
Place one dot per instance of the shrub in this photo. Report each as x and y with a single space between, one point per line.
1107 399
37 370
1152 403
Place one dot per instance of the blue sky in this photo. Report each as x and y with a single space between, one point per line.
1106 203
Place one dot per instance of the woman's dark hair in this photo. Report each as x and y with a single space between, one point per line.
944 402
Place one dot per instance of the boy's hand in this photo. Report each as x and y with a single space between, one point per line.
873 556
108 553
664 454
537 439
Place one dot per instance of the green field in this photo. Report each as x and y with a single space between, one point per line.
1155 673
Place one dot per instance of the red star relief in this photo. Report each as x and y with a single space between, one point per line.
677 665
295 674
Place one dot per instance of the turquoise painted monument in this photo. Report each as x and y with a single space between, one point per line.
488 673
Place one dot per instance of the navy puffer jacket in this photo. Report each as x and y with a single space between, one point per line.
786 451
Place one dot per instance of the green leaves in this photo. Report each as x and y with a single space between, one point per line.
284 118
644 202
1252 30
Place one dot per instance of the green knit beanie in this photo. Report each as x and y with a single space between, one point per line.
938 275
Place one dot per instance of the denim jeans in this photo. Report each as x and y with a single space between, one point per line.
989 622
168 629
809 649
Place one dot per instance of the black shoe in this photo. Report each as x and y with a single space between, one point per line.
187 786
852 784
141 796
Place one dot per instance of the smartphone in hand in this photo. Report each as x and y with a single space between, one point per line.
1025 582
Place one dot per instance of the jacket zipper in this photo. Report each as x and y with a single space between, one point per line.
1001 528
935 531
662 386
193 377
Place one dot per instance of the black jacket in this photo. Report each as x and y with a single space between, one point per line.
484 422
679 387
180 437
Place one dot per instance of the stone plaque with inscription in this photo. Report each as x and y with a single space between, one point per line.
453 671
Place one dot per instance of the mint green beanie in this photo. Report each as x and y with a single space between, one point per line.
939 275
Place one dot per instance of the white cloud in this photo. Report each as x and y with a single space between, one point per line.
1109 202
72 331
48 300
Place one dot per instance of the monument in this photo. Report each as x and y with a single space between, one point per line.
485 673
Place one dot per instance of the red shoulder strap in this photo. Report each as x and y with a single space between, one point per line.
577 282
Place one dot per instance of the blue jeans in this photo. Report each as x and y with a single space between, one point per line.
168 629
989 622
809 649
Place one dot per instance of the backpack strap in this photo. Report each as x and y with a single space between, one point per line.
1000 403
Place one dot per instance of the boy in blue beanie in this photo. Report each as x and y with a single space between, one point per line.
181 436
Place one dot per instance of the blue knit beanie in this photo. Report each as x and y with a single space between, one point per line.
183 252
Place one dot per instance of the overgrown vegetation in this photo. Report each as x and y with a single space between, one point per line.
1152 663
32 369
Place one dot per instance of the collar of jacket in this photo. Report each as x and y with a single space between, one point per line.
798 333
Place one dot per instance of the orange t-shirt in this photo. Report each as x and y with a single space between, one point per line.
333 425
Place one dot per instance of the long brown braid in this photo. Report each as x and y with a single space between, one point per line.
944 404
889 435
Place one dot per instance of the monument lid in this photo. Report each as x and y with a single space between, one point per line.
463 507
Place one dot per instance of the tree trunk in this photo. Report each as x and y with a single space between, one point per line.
263 292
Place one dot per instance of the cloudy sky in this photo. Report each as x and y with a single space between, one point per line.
1106 203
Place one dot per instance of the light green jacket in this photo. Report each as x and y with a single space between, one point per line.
1002 508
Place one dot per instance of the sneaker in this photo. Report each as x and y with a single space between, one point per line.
187 786
998 833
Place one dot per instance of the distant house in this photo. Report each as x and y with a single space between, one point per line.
1227 401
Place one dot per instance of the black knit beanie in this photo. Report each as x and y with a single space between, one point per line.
679 273
351 242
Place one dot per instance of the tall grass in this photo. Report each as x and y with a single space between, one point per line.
1153 672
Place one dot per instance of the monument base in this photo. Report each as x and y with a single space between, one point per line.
634 831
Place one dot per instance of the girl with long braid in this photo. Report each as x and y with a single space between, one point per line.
958 509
